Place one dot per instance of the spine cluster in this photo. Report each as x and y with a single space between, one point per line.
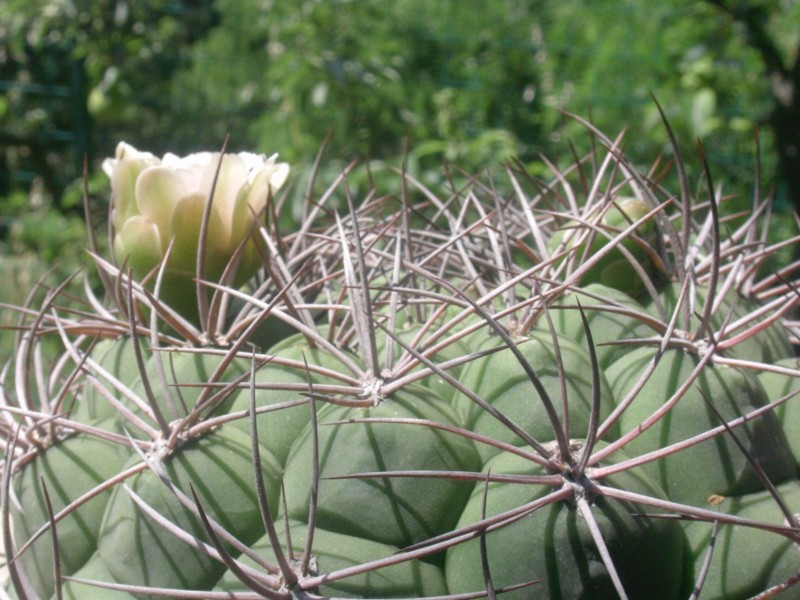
574 387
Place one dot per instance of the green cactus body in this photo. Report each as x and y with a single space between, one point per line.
269 332
282 383
117 357
94 570
392 510
554 545
734 393
747 560
457 349
768 345
139 551
501 381
187 374
777 386
605 325
614 269
68 469
337 551
358 446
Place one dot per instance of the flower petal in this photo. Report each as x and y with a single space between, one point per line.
161 201
138 242
158 191
123 171
126 152
232 176
185 231
254 195
280 172
198 159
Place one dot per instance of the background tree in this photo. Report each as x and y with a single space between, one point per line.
770 28
686 54
373 73
468 82
73 73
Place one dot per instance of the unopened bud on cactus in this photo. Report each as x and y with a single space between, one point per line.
158 202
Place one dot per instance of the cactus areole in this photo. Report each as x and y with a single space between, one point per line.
574 389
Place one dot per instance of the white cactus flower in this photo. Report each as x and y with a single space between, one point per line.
156 202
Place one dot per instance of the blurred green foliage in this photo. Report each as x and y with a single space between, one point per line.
407 82
472 83
468 82
41 248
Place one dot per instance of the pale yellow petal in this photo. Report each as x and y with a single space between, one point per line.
185 227
232 176
138 242
124 172
158 191
252 200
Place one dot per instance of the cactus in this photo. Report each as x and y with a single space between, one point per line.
581 389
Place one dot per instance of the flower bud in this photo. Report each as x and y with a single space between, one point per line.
157 202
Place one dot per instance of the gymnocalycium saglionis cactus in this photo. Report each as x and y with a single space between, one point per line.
576 388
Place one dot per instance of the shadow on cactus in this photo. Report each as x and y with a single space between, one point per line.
576 388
